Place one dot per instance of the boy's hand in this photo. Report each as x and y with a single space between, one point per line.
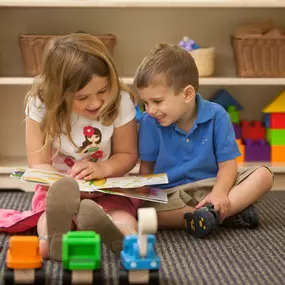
87 170
143 190
221 203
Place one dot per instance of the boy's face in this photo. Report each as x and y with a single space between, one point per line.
164 105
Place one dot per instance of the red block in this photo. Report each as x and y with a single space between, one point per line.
277 121
252 130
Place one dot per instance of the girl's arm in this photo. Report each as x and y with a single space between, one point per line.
37 157
124 151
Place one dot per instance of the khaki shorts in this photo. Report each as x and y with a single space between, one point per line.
192 193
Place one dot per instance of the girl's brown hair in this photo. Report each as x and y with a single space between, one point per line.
69 62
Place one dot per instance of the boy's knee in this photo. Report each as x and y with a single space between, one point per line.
266 177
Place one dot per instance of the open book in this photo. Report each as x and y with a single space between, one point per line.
130 186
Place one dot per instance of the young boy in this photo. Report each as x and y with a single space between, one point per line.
193 141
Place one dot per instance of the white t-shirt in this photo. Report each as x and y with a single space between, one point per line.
92 138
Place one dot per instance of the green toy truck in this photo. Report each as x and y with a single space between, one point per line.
81 258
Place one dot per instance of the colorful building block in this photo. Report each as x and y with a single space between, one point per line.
257 150
225 99
237 130
277 121
267 120
252 130
278 153
275 136
241 149
277 105
233 113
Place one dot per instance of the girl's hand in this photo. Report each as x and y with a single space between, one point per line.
221 203
87 170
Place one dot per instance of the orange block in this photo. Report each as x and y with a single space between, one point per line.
241 149
23 253
278 153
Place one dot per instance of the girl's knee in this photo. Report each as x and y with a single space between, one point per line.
44 249
42 225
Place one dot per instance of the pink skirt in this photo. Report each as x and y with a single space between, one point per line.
12 221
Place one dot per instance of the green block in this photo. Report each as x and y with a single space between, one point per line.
81 250
268 135
275 136
234 114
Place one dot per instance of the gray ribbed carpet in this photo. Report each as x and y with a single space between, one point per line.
227 257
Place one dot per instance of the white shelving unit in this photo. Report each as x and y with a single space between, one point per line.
146 3
210 81
138 26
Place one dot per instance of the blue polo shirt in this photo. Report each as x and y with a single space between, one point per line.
188 157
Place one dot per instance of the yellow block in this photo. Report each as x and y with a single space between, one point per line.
277 105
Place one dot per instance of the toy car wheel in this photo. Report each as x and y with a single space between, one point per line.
153 277
123 277
8 276
66 277
40 276
98 277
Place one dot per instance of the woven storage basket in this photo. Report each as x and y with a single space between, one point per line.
205 60
259 56
32 47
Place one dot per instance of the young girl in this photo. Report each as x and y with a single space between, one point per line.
81 120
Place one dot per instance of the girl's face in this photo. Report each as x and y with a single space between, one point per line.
90 99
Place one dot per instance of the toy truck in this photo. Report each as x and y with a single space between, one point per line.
24 262
81 258
140 264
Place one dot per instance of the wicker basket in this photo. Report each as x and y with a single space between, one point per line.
205 60
259 55
32 47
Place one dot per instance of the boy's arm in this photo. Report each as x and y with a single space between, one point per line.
146 167
226 177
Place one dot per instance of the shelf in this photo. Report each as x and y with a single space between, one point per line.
7 165
144 3
221 81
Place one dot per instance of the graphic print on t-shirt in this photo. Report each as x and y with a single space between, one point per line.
93 138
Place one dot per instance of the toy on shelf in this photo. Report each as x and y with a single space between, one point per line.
188 44
241 148
204 57
252 130
233 113
225 99
138 258
81 258
257 150
275 127
24 263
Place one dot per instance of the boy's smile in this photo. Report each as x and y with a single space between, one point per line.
164 105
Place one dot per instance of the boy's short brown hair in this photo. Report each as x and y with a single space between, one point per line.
169 64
